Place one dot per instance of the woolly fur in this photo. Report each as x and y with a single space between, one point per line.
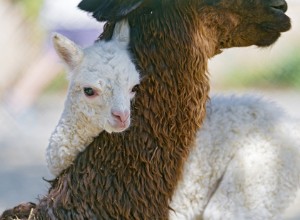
245 164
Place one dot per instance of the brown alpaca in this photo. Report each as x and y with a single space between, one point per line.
133 175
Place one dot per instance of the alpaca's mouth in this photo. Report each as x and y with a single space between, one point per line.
280 6
282 25
118 126
281 22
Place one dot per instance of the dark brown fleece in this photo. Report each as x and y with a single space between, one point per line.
133 175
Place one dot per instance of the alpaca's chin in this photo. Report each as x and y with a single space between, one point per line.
117 126
266 42
273 32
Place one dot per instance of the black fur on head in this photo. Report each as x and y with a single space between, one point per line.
114 10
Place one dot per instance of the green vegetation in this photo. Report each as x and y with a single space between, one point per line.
31 7
60 83
283 74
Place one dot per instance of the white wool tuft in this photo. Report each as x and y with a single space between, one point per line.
245 164
107 70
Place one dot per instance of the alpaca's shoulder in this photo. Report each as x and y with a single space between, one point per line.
243 109
249 116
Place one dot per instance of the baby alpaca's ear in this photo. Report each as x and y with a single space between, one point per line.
67 50
122 33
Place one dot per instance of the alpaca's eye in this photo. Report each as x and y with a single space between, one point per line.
88 91
133 91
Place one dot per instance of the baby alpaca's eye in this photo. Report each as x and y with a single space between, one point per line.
134 89
88 91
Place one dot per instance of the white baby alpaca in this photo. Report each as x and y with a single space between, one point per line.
245 164
101 77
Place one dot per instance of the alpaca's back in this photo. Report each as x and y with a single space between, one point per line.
244 165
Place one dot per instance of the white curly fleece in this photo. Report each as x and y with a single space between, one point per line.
245 164
104 70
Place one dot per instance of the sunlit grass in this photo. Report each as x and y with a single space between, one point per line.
59 84
31 7
283 74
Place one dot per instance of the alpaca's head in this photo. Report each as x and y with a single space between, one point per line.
102 80
230 23
249 22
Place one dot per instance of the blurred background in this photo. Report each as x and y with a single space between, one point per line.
33 85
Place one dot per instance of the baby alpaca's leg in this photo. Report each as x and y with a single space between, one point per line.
259 182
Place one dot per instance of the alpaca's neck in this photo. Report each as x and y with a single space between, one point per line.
72 135
76 127
77 134
174 92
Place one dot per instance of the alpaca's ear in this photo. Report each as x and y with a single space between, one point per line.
122 33
67 50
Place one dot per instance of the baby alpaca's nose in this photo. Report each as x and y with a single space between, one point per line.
121 116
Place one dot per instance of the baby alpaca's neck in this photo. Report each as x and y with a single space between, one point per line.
71 136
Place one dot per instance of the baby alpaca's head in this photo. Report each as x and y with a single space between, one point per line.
102 78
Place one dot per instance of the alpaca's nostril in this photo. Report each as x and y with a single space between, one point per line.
121 116
280 5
